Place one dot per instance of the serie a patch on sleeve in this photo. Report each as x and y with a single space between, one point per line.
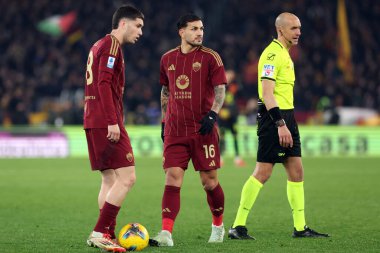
110 62
268 70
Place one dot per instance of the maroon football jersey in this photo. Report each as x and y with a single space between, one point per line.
104 86
191 79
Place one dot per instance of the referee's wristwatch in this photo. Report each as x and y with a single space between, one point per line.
280 123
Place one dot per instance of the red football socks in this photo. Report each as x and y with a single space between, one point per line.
170 206
215 199
111 230
106 218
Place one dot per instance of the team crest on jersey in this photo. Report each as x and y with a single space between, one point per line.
110 62
197 66
268 70
129 157
182 82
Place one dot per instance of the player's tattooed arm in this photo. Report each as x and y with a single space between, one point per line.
220 93
164 100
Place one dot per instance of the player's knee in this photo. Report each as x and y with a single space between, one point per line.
128 182
173 178
108 181
210 184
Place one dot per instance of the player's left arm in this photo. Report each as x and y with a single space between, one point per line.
109 55
220 94
219 80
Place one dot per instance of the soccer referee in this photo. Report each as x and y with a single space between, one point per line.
279 139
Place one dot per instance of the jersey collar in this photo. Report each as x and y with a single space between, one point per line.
278 42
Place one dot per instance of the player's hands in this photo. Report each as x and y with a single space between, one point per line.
162 131
113 133
285 137
207 123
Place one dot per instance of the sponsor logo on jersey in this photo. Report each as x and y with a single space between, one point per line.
171 67
182 82
268 70
197 66
212 164
270 56
281 154
110 62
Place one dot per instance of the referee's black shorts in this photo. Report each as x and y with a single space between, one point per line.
269 149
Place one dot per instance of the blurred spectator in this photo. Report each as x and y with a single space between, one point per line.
48 71
228 117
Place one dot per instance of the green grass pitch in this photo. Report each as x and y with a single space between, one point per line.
50 205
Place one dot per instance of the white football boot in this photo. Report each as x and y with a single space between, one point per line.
104 242
217 234
164 239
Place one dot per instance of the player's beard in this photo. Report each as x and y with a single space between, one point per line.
195 44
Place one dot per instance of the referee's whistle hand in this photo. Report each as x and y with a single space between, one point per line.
285 137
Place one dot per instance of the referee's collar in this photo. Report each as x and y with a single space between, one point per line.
278 42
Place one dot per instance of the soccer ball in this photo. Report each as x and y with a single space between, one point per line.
133 237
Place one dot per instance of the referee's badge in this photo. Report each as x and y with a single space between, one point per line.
268 70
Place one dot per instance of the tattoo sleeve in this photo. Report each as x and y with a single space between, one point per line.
220 93
164 100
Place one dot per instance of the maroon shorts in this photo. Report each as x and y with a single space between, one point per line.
203 150
105 154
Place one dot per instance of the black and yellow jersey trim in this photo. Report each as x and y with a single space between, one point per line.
268 78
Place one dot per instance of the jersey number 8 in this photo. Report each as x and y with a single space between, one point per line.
90 61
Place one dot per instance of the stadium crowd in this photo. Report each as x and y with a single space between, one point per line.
42 77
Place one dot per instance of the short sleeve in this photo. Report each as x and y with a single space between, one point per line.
270 66
217 71
163 76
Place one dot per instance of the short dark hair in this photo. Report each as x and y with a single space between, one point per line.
125 11
183 20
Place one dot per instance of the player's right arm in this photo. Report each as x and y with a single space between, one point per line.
165 94
164 81
107 63
164 100
284 135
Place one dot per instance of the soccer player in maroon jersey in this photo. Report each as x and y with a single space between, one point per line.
193 88
109 148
